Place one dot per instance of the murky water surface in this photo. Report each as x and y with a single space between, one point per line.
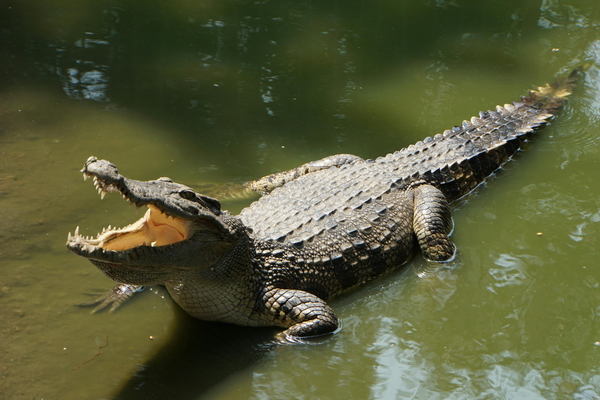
221 92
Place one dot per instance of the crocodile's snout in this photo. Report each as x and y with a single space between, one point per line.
102 169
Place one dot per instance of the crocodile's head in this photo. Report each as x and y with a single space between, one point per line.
182 231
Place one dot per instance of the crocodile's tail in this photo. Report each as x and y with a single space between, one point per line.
461 158
550 98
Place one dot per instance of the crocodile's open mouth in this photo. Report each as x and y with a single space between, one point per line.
154 229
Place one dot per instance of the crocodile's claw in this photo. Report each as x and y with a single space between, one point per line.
114 298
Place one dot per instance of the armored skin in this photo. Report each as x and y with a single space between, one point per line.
317 231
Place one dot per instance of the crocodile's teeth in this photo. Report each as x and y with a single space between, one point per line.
102 194
76 234
153 244
69 237
109 228
85 177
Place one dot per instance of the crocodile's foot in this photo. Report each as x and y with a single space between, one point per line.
303 314
114 298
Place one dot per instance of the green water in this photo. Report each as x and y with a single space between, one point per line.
219 92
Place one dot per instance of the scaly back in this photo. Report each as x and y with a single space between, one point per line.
455 161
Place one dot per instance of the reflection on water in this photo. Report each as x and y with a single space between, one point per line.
213 93
90 85
394 366
512 271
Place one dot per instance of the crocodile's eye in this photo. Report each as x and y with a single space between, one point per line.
188 194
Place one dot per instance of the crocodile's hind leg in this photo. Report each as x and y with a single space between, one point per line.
224 191
302 313
268 183
432 223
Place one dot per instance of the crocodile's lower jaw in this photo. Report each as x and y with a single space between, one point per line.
153 229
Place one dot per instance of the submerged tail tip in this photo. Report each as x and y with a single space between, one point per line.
552 95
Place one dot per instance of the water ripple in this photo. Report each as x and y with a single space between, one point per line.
579 122
512 272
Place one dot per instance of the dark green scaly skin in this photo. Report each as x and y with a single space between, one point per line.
321 228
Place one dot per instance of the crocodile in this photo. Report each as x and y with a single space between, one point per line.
317 231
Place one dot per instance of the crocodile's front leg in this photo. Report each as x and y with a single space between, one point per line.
114 298
302 313
432 223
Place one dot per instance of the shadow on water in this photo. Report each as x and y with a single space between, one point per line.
199 357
